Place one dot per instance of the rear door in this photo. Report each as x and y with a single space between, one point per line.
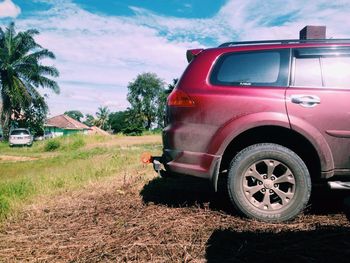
319 96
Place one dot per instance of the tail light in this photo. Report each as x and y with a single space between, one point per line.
179 98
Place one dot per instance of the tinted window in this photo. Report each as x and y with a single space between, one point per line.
322 67
257 68
19 132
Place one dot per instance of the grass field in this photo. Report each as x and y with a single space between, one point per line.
91 200
64 164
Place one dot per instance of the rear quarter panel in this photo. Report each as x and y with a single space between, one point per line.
207 126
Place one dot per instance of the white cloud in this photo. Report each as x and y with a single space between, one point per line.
273 19
105 53
255 19
98 55
86 98
9 9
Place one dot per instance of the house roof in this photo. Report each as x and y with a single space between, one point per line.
66 122
96 130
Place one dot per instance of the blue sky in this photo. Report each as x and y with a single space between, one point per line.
101 45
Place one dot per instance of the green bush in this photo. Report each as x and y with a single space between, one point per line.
52 145
133 131
77 143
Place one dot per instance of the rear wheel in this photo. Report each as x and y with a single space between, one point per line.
269 182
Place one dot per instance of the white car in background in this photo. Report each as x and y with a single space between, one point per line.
20 137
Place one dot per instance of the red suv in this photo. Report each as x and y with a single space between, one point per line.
272 116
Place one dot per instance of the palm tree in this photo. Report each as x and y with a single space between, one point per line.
21 73
102 117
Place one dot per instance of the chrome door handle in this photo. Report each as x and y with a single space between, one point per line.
307 101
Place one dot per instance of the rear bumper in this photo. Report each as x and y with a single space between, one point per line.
190 163
20 142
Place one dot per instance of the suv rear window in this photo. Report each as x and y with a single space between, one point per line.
254 68
19 132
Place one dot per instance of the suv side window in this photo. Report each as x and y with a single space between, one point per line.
253 68
336 71
321 67
307 72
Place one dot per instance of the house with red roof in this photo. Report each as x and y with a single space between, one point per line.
63 125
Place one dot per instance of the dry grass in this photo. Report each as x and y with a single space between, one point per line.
137 217
10 158
99 204
124 141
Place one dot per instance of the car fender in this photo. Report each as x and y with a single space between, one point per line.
236 126
315 137
225 135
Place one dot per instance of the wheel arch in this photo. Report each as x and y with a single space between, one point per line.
311 153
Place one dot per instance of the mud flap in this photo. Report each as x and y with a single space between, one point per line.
215 174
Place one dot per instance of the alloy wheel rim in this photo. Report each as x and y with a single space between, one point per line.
269 185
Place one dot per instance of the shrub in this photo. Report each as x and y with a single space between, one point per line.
77 143
133 131
52 145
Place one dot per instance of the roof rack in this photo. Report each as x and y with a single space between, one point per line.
284 41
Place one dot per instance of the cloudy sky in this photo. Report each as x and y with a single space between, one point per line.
101 45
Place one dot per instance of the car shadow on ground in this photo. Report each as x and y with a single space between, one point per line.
179 191
185 191
325 201
327 244
317 244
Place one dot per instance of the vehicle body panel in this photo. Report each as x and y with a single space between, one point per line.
195 138
332 114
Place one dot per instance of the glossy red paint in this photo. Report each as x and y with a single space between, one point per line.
195 138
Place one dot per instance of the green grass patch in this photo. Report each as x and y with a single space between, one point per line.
70 143
68 167
4 207
59 144
52 145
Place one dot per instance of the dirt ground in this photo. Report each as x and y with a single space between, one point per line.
149 219
10 158
127 141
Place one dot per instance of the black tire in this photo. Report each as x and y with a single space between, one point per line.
269 182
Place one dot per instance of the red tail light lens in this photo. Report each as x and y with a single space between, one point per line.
180 99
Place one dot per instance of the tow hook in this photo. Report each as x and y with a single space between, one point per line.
147 158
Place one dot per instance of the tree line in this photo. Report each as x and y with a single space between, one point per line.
21 105
147 96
